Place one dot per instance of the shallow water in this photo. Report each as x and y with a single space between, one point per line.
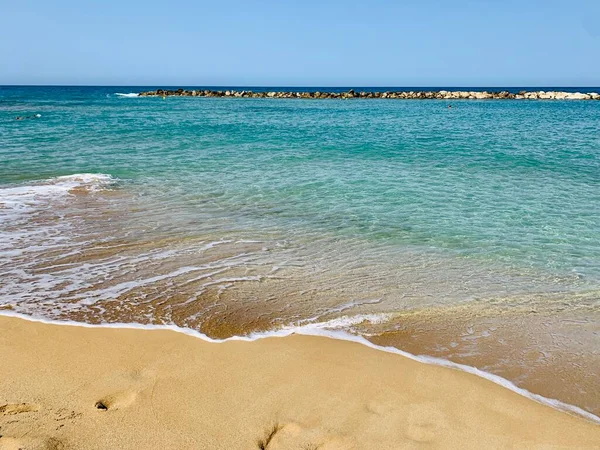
471 234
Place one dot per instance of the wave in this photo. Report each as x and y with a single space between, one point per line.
55 186
91 180
322 330
129 95
25 198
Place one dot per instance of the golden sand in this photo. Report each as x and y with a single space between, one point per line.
67 387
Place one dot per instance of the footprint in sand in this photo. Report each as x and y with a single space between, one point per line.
128 386
10 443
425 422
422 422
11 409
24 442
294 436
116 401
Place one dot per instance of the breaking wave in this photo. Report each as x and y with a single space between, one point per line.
26 197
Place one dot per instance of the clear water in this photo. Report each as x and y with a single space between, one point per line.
471 233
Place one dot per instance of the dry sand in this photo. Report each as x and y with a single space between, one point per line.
166 390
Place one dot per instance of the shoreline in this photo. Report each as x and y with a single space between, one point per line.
315 330
91 355
351 94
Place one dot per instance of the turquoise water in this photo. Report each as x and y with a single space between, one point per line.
515 182
324 210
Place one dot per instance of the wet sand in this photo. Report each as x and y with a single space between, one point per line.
66 387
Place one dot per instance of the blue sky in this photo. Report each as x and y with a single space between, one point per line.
301 43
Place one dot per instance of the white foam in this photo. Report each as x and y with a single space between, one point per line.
23 238
345 322
319 330
341 323
353 304
20 195
19 199
93 179
121 288
129 95
53 186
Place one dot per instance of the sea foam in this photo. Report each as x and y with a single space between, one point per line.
26 197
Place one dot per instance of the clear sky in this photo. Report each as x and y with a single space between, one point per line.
301 43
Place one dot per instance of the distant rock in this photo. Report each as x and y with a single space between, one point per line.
578 96
442 95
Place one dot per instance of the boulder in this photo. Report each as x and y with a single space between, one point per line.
577 96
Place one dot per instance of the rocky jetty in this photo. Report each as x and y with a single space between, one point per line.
442 95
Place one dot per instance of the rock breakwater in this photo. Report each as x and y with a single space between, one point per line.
351 94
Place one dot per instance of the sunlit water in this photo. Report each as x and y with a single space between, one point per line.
470 233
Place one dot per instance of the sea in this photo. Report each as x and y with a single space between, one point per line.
467 236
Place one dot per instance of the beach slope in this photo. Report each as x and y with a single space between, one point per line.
68 387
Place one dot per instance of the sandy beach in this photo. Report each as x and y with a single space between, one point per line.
69 387
300 225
